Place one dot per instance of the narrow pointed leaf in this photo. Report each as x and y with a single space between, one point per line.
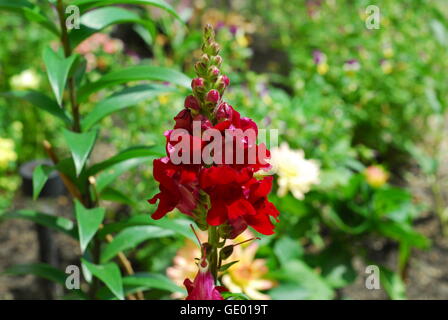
40 177
108 176
121 100
130 238
89 220
80 145
96 20
38 269
145 281
50 221
41 101
134 152
135 73
88 4
58 69
109 274
30 11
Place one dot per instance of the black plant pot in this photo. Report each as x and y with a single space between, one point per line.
53 187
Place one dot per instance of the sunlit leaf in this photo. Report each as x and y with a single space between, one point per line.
80 145
121 100
40 177
89 220
58 69
135 73
130 238
42 102
109 274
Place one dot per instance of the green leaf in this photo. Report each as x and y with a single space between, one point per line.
41 101
96 20
134 152
58 69
137 220
130 238
403 232
179 226
56 223
234 296
109 274
88 4
38 269
297 272
392 284
135 73
80 145
89 220
335 265
114 195
145 281
287 249
30 11
108 176
40 177
121 100
226 266
289 291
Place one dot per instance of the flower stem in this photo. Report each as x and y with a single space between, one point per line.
213 240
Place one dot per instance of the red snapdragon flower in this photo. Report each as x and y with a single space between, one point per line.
179 188
214 191
238 198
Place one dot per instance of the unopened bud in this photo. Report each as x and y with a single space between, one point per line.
226 252
217 60
213 96
205 58
191 103
208 31
200 68
214 49
197 83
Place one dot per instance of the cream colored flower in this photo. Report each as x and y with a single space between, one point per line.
27 79
295 173
7 153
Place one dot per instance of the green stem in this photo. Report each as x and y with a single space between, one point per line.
213 240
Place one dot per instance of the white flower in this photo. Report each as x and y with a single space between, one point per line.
27 79
295 173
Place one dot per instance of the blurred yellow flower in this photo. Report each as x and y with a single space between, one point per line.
27 79
376 176
295 173
164 99
242 40
7 153
322 68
